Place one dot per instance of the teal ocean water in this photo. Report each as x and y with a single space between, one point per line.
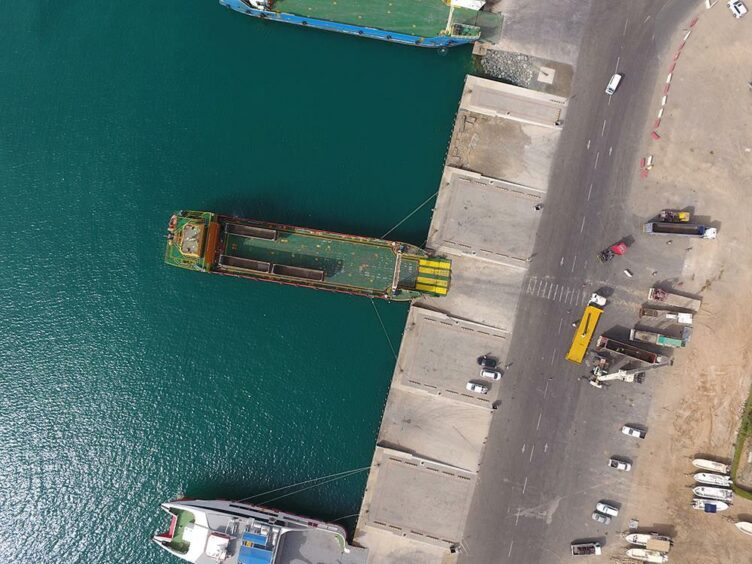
126 383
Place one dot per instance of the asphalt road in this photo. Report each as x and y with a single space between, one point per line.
545 462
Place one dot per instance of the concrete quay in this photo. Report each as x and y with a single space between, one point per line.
433 433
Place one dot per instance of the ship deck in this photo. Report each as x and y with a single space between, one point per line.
423 18
344 262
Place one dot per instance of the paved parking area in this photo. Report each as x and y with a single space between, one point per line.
435 428
482 291
398 499
495 99
468 220
429 359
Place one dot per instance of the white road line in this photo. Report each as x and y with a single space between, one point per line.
516 520
561 294
532 450
530 284
561 322
585 297
561 262
646 20
539 420
603 128
524 486
524 447
545 448
609 100
589 191
569 293
511 544
574 261
597 155
546 390
626 23
610 150
540 283
542 287
588 143
617 63
583 225
551 287
553 356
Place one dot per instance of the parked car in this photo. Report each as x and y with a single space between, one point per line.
737 7
477 388
619 464
487 361
606 509
634 431
613 84
598 300
601 518
490 373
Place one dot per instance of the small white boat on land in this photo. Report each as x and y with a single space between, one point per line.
713 493
647 555
651 541
708 505
713 479
745 527
640 539
711 465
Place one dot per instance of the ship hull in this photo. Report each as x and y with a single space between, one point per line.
297 256
437 42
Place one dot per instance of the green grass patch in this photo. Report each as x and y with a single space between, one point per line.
745 430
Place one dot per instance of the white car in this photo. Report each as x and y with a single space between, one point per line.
477 388
619 464
601 518
598 300
490 373
606 509
634 431
737 7
613 84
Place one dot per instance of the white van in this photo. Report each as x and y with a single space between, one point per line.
613 84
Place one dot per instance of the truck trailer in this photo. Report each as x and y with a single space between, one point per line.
675 316
660 339
604 343
674 300
680 229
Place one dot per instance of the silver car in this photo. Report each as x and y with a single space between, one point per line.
634 431
606 509
601 518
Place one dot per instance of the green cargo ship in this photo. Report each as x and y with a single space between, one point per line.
365 266
423 23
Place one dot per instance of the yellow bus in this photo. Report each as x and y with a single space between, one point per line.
584 334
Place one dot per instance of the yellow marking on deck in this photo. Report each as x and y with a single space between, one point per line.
434 271
435 263
431 289
424 280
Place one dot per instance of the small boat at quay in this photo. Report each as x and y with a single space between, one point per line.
710 492
645 539
745 527
709 506
647 555
712 479
711 465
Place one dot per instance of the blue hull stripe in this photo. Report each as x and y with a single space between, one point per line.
406 39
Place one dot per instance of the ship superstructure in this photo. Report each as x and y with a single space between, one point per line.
208 242
424 23
211 531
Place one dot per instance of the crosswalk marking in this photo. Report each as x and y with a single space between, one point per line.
556 291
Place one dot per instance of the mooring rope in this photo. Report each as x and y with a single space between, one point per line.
383 328
412 213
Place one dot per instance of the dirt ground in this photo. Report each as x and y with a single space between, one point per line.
703 160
